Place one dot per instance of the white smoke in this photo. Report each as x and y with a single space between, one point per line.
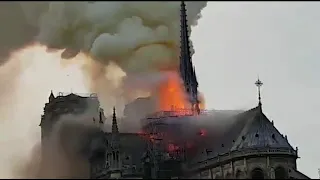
138 36
126 37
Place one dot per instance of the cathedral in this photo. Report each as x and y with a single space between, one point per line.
191 145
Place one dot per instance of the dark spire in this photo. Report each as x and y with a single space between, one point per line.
185 54
51 97
114 122
258 83
187 70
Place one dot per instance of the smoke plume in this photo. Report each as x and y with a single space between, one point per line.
135 37
65 152
112 41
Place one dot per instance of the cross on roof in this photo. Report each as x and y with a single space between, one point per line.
258 83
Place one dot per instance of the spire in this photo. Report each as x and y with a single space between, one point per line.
187 71
258 83
114 122
185 54
51 97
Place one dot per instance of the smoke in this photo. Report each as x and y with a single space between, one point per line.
116 40
134 37
15 32
65 152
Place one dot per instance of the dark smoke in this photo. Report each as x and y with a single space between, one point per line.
15 31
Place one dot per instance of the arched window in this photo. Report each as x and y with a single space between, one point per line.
257 173
240 175
280 173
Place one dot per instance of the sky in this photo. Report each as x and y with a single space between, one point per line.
279 41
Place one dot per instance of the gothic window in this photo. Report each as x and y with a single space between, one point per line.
240 175
257 173
113 156
280 173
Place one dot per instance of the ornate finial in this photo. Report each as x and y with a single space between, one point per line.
51 97
258 83
114 122
114 112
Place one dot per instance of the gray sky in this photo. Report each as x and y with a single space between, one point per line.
236 41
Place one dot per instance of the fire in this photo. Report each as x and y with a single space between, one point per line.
172 97
171 94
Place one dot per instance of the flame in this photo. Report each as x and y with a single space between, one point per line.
171 95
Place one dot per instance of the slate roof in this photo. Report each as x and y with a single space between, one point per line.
297 174
249 130
260 132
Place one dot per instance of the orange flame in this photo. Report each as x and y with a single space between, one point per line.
171 94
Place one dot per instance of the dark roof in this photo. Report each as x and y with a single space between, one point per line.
297 174
260 132
250 129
